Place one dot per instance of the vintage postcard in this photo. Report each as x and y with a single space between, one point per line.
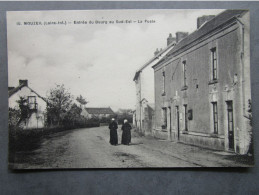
129 89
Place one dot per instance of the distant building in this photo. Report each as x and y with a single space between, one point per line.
144 82
98 112
36 105
147 113
202 86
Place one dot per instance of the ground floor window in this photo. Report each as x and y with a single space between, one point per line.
164 118
215 117
185 117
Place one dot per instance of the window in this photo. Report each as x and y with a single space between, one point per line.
215 117
163 83
214 65
32 102
164 118
184 73
185 117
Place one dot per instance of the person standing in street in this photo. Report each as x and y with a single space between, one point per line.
126 134
113 126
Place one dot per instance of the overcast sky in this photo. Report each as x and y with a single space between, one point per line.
97 61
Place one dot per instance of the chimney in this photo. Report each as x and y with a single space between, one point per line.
156 52
180 36
23 82
170 39
201 20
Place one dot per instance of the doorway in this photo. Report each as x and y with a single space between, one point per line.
230 125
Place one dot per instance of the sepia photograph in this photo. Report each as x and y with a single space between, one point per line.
129 88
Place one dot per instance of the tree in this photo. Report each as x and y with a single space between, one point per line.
58 104
18 115
24 108
81 100
73 115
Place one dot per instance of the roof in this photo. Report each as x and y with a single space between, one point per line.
156 57
206 28
14 90
99 110
151 105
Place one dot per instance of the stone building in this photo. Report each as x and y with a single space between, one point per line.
36 105
202 85
144 82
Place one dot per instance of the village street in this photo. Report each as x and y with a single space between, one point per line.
90 148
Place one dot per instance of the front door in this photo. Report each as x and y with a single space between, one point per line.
230 125
177 122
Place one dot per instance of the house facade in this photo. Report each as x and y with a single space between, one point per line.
35 103
144 83
202 86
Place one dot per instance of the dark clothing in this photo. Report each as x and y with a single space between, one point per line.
113 133
126 134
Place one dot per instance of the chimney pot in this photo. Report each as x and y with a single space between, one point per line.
23 82
170 39
180 36
156 52
201 20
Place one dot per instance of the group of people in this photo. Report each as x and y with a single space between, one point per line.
126 134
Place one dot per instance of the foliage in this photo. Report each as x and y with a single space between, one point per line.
17 115
14 117
24 108
81 100
59 103
73 115
250 117
123 114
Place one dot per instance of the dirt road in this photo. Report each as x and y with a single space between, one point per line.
90 148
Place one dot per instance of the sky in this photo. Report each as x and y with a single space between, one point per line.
97 61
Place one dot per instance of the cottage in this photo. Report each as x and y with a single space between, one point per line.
202 86
98 113
34 103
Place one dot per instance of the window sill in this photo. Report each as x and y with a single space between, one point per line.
184 88
164 127
184 132
214 135
213 82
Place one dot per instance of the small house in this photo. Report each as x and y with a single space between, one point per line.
34 105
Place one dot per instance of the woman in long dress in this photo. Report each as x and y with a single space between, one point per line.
126 134
113 132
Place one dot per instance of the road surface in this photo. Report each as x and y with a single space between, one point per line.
90 148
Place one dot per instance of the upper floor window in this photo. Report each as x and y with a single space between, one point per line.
214 64
163 83
32 102
184 74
